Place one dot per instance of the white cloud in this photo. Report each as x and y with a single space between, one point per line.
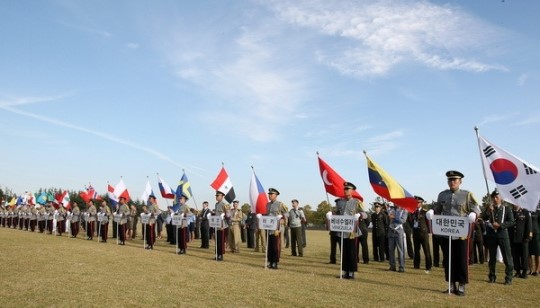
494 118
375 36
522 79
132 45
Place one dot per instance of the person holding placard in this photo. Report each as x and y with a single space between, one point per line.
123 211
90 220
182 234
278 209
221 210
150 233
75 221
104 216
455 201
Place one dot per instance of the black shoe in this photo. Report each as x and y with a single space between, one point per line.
332 262
524 275
401 270
508 283
392 269
492 279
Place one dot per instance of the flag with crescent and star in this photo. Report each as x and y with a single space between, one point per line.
333 182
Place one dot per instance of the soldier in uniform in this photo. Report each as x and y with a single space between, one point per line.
221 210
335 239
520 235
378 233
236 219
476 246
75 220
350 207
251 228
498 219
362 240
396 234
153 210
278 209
132 223
421 230
50 217
104 215
123 210
407 227
296 217
91 213
205 226
41 219
182 234
60 220
33 217
456 202
534 244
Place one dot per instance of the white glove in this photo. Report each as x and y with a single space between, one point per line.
208 215
279 217
356 216
222 215
472 217
364 215
259 215
429 214
328 215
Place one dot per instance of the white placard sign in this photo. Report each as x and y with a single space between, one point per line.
450 225
176 220
342 223
268 222
117 218
214 221
145 218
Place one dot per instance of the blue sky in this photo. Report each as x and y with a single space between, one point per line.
94 90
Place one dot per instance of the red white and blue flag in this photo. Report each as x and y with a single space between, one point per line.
166 191
517 181
257 196
223 183
113 200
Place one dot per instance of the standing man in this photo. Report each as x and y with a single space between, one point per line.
456 202
420 233
236 219
123 210
182 236
408 236
275 208
396 218
153 210
91 213
498 219
75 214
335 239
296 218
362 240
349 206
205 226
251 228
520 235
104 214
221 210
378 233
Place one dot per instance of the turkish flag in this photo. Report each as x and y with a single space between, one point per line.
333 182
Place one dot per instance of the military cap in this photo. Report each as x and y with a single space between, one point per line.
377 204
418 198
219 193
494 193
453 174
236 201
184 196
294 201
349 185
120 198
273 191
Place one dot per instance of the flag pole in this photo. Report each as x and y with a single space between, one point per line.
481 160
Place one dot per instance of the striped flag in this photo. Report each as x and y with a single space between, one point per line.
385 186
223 183
257 196
166 191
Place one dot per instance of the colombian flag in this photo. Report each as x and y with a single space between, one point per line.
385 186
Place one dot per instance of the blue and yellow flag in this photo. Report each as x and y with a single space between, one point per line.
385 186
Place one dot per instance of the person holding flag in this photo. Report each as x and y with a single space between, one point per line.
222 210
91 213
150 232
182 231
349 206
123 210
280 210
455 201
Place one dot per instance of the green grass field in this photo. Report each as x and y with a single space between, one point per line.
45 270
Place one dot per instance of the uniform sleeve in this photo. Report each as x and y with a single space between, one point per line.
473 204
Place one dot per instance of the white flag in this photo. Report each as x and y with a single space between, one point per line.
147 192
518 182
